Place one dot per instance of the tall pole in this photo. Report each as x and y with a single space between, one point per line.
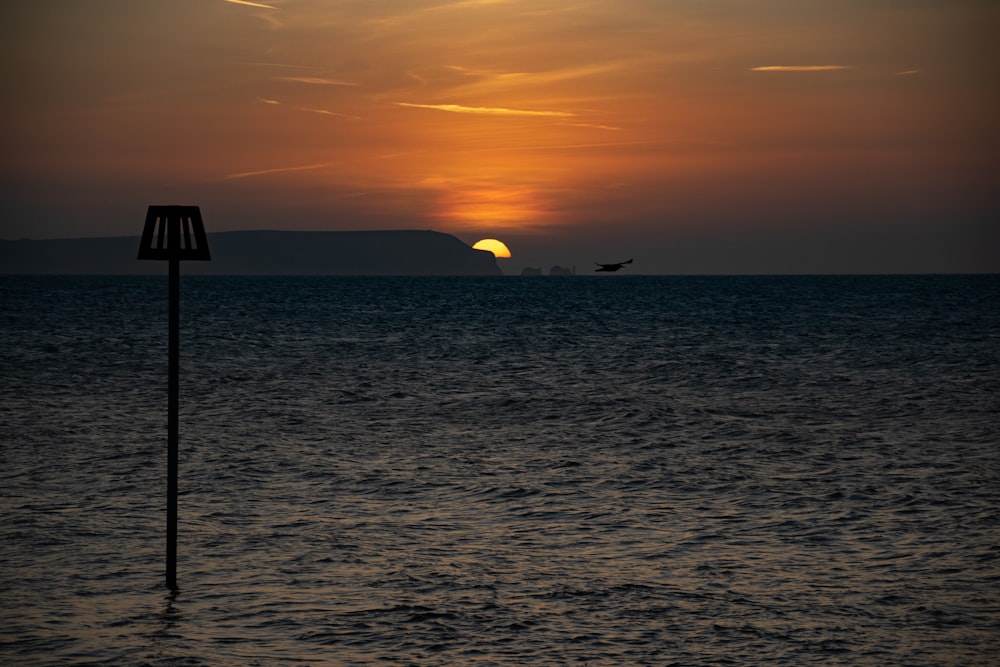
173 233
172 419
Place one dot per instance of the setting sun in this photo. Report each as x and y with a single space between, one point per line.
498 248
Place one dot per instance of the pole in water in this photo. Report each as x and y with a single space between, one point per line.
173 404
173 233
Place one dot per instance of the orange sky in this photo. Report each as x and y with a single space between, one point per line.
723 136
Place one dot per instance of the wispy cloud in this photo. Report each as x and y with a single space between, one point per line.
475 3
800 68
259 5
316 81
275 170
908 72
403 16
489 111
595 126
271 64
481 81
323 112
326 112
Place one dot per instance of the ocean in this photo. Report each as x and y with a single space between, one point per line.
588 470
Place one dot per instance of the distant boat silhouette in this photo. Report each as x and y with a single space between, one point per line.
611 267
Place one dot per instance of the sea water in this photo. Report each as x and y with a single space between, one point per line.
504 471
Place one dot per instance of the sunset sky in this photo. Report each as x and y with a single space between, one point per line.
697 136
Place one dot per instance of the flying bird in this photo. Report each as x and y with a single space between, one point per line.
611 267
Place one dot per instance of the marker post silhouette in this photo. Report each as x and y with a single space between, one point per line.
173 233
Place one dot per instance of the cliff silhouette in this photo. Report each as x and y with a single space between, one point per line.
360 253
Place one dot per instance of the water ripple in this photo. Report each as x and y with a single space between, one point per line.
728 471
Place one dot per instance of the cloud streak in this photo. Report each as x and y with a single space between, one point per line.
801 68
315 81
327 112
275 170
488 111
247 3
595 126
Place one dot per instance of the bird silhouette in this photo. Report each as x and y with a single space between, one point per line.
611 267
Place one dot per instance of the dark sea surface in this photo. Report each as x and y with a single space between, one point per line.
504 471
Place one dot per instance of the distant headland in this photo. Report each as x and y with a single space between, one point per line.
355 253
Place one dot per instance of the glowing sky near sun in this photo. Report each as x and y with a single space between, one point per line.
605 124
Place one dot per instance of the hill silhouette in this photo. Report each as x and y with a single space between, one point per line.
359 253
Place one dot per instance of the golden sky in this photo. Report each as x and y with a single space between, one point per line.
694 134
